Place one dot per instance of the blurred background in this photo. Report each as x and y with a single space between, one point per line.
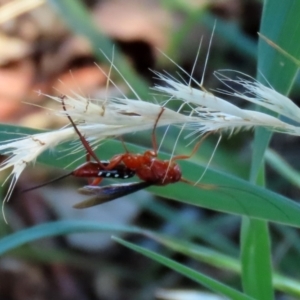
40 50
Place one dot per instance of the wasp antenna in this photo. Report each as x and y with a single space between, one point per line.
46 183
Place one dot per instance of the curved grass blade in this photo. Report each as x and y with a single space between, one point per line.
234 196
221 261
22 237
198 277
240 197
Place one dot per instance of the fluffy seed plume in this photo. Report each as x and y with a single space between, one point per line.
260 94
217 114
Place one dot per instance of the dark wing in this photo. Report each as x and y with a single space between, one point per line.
103 194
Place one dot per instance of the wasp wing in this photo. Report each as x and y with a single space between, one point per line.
103 194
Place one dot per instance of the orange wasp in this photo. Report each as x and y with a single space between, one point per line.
147 166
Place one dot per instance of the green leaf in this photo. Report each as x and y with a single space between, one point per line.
198 277
221 261
59 228
279 24
231 195
256 259
227 194
284 169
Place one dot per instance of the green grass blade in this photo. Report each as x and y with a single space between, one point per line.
22 237
230 194
221 261
249 200
198 277
256 260
200 253
279 24
276 162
